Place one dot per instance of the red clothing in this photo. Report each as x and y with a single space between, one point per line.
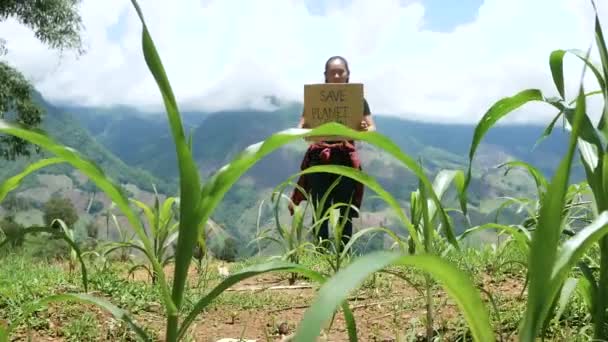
322 153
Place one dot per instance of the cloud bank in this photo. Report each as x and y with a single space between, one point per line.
230 54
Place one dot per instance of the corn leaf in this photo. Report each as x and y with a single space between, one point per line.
567 290
277 266
539 178
545 239
498 110
556 63
188 176
548 130
14 182
518 233
575 247
601 45
587 286
557 71
456 283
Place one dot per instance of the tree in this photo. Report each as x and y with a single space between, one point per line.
60 208
55 23
12 230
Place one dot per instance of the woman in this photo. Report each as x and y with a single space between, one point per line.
335 153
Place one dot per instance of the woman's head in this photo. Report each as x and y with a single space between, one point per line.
336 70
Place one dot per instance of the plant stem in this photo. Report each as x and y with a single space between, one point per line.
602 293
171 328
429 309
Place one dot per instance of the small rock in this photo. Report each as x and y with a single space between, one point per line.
284 328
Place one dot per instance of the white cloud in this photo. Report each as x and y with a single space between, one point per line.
231 53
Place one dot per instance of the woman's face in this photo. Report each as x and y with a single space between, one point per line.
336 72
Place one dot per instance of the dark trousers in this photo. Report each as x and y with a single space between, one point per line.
342 193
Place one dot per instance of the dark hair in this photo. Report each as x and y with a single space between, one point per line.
343 60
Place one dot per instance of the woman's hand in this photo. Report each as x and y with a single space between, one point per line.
364 126
367 124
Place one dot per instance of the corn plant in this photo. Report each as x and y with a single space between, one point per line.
163 232
549 261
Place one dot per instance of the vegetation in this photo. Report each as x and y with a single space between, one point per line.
60 208
560 247
55 23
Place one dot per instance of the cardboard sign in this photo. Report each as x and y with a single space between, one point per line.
333 102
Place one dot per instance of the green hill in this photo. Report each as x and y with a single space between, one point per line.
143 141
64 128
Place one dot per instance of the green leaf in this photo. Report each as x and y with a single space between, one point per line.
456 283
557 71
539 178
518 233
587 286
188 176
440 186
148 213
87 299
496 112
601 46
240 276
371 230
575 247
565 295
546 237
548 130
556 61
14 182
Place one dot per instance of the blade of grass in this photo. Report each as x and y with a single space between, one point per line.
456 283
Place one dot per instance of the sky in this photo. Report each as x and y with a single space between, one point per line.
431 60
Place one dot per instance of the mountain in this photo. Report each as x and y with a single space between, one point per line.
143 140
136 148
63 127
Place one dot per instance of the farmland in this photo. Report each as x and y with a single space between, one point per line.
546 275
